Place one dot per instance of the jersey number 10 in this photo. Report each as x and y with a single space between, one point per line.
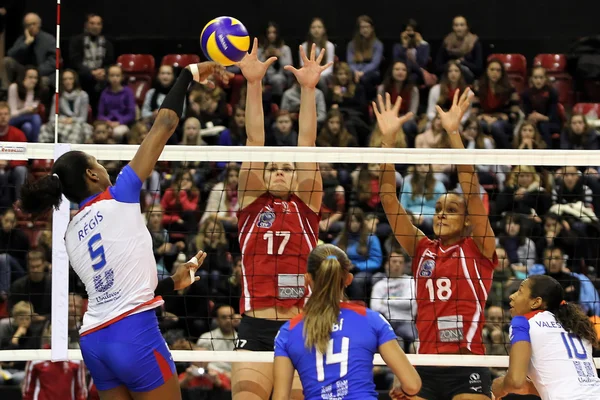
572 344
334 358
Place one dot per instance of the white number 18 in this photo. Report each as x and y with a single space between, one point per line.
443 286
334 358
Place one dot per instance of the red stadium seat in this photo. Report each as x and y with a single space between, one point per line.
516 69
553 63
556 69
137 66
587 109
180 60
140 88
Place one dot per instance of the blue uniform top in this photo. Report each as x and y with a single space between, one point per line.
356 337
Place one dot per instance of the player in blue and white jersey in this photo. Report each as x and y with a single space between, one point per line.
110 249
552 342
332 343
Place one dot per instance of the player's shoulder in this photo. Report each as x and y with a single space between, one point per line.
354 308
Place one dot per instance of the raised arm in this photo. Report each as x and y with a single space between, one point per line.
467 176
251 183
310 183
168 116
389 124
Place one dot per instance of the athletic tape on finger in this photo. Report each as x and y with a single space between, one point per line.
193 260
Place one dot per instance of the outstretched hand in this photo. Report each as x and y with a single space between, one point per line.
252 68
388 120
310 73
208 68
451 119
185 274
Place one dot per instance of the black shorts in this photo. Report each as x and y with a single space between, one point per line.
443 383
257 334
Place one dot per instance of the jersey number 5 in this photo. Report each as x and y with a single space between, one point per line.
334 358
442 290
270 238
98 257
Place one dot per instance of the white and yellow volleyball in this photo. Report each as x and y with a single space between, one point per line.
225 40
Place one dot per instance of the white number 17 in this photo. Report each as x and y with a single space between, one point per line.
334 358
269 237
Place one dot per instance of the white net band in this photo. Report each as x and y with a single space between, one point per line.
32 151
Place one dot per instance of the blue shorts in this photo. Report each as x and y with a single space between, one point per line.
130 352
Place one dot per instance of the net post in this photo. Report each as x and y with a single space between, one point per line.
57 76
60 275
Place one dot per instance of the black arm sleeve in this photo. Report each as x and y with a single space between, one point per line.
166 286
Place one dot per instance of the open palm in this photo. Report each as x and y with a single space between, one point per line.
387 118
252 68
451 119
310 73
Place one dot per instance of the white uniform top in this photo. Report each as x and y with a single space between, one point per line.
110 249
561 365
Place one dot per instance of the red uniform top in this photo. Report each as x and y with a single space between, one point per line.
452 286
275 237
47 380
14 135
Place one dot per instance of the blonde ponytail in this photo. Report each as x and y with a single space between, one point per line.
328 267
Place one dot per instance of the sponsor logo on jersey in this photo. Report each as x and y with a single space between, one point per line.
474 378
450 329
291 286
266 218
427 268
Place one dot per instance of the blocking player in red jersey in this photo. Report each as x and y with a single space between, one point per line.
278 227
453 272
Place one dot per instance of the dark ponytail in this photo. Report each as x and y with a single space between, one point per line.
569 315
67 177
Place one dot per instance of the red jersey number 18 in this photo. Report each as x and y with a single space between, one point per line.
441 289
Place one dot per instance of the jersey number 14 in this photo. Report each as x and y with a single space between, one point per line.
333 358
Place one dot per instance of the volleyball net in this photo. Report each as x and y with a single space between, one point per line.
542 205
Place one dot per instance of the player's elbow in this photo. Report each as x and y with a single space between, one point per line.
167 120
413 386
514 382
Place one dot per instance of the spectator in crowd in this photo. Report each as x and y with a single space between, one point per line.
35 47
35 287
180 203
204 377
394 296
235 135
474 137
558 233
540 105
73 108
504 282
414 51
554 262
519 248
75 319
214 115
363 249
578 135
496 103
15 171
90 54
396 82
272 45
524 193
463 46
230 290
21 332
365 184
364 55
191 133
24 99
117 104
164 251
156 95
14 246
283 133
291 103
223 202
317 34
212 239
452 80
570 188
433 138
495 335
420 192
334 200
102 133
223 337
528 137
334 132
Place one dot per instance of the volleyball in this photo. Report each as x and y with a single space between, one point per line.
225 40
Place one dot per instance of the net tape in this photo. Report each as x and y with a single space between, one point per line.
25 151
